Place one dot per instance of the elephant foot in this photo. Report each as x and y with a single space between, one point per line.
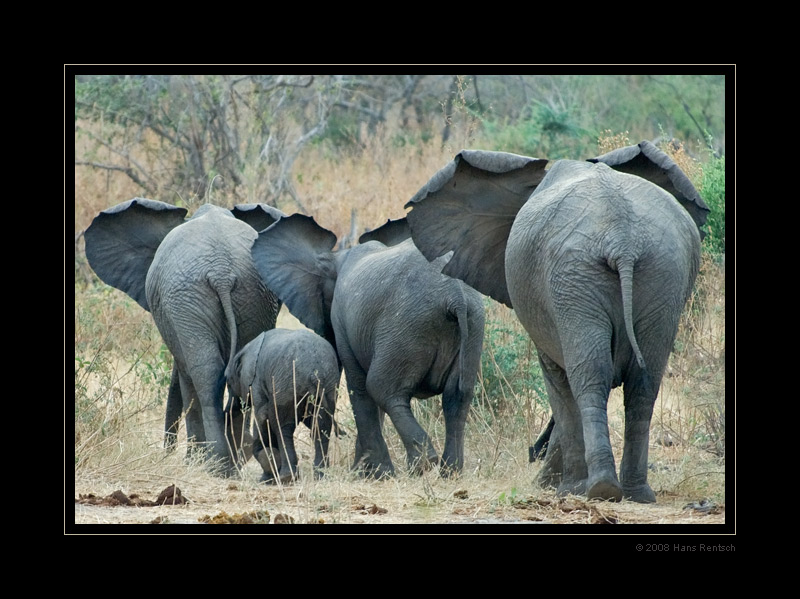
552 472
606 488
549 479
418 465
170 442
268 478
574 487
447 470
288 478
640 493
373 470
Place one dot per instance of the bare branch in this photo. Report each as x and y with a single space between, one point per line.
362 109
113 167
126 157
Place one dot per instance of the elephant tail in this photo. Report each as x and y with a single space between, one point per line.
625 270
459 308
224 292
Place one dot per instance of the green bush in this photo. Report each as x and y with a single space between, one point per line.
713 192
541 131
510 371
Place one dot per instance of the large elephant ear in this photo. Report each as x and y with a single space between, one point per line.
390 233
258 216
295 260
647 161
121 242
469 207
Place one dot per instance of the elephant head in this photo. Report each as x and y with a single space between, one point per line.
597 263
197 278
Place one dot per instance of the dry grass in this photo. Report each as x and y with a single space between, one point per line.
122 369
121 449
376 183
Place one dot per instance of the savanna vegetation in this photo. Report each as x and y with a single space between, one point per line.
351 151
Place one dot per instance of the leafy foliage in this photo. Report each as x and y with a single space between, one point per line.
510 371
713 191
542 131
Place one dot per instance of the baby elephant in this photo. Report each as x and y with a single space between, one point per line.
291 376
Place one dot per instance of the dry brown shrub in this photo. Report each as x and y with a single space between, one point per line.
609 140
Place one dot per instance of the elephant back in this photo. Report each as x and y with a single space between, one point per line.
203 271
297 357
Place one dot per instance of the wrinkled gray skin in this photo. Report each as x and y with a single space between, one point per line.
291 376
401 330
598 264
197 278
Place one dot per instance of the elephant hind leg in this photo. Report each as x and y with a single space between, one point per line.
195 431
639 401
455 407
320 423
372 458
420 453
580 440
237 431
602 482
564 464
266 451
371 453
172 419
208 380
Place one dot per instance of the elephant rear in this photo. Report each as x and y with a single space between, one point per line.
401 329
406 330
208 301
597 259
296 363
583 259
198 280
296 380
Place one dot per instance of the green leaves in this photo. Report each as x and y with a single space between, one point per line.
713 192
510 371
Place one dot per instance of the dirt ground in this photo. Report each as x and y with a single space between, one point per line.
425 502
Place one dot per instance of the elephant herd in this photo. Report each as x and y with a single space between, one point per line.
597 258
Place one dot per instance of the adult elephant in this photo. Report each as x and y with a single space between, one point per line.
196 276
400 327
597 264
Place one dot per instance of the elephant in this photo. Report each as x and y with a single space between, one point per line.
401 330
291 376
197 279
597 263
